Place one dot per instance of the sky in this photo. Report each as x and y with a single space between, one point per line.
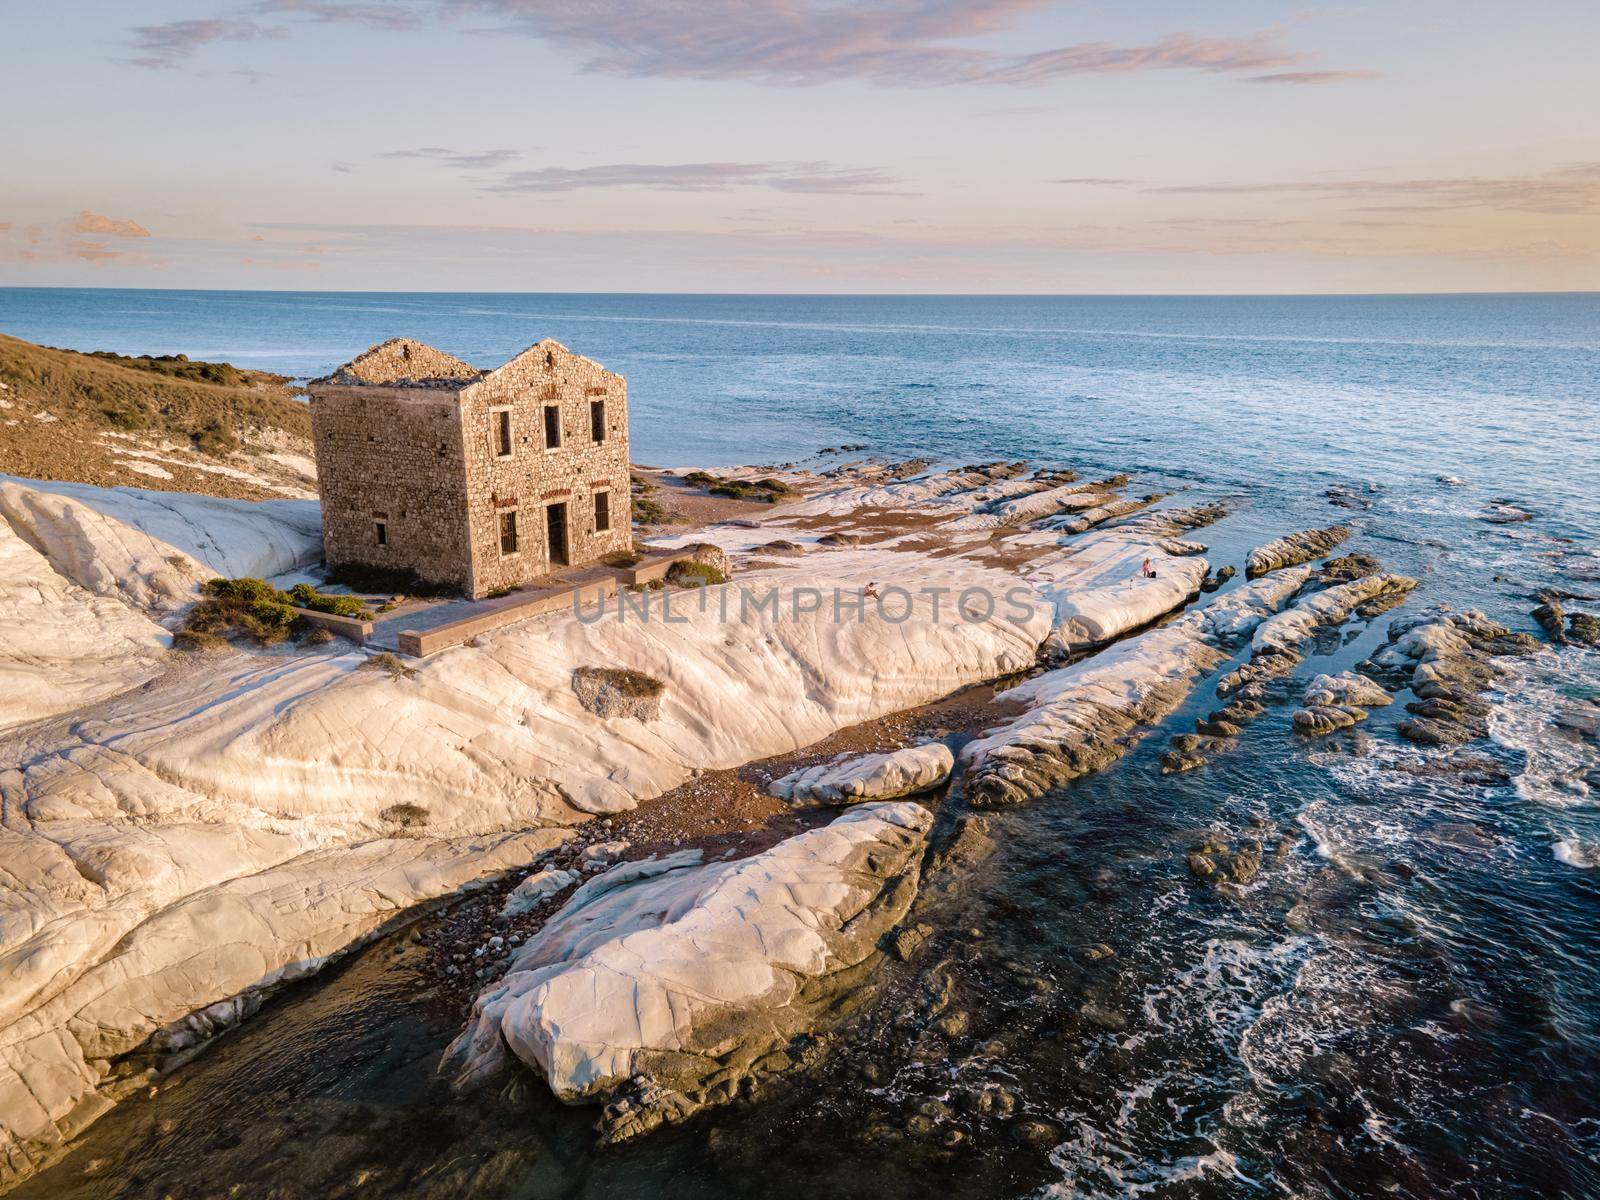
897 146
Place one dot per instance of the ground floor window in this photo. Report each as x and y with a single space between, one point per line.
602 511
382 531
508 532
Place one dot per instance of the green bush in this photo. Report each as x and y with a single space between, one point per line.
765 490
306 596
694 574
244 589
648 512
198 640
254 609
272 612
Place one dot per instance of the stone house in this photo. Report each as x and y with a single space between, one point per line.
481 479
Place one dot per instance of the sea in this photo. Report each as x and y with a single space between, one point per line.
1406 1003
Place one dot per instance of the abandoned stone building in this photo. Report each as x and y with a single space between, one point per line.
485 480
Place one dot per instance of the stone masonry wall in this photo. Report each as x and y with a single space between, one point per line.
531 478
392 455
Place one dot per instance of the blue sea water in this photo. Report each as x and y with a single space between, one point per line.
1432 1029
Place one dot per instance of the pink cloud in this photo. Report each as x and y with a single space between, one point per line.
892 42
88 222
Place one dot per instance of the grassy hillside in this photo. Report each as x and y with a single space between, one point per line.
108 419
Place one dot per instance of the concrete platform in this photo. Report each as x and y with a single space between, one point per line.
455 622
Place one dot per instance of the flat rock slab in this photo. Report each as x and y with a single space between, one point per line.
681 973
854 779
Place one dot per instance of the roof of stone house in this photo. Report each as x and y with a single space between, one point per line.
404 362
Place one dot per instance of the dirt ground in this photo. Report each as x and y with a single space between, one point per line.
692 507
723 813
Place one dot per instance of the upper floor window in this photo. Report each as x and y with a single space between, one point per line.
597 420
552 426
502 432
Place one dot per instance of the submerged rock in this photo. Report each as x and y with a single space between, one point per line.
1293 549
670 985
1339 701
1349 566
903 943
1218 860
1551 615
1503 512
854 779
1448 660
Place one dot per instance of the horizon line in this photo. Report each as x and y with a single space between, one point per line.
54 287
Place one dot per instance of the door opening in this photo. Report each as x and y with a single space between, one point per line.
555 519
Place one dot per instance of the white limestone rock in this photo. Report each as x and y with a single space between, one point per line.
150 549
1338 701
535 889
1285 631
1083 717
62 647
1032 505
172 851
1346 688
87 573
675 972
1098 584
165 935
852 779
1294 549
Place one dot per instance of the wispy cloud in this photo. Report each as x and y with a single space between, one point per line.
1313 77
161 47
466 160
374 16
1562 191
1566 191
808 177
94 223
93 251
908 43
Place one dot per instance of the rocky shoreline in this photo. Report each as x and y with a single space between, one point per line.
606 846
